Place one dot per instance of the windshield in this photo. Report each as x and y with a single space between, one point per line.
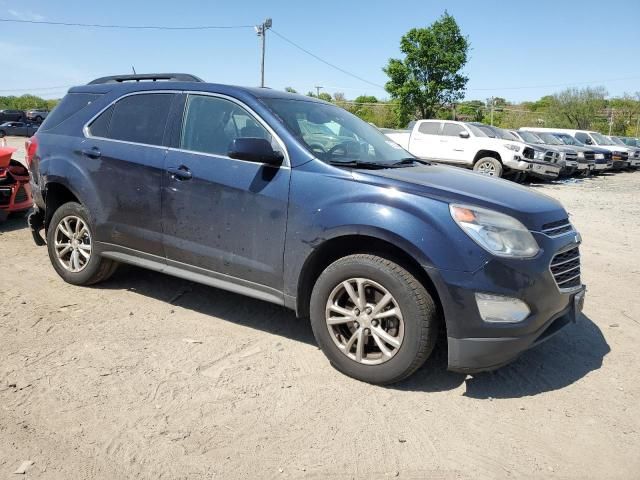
505 135
488 131
617 141
529 137
549 138
476 131
334 135
601 139
569 140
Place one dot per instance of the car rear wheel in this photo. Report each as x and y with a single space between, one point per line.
3 134
488 166
373 319
71 248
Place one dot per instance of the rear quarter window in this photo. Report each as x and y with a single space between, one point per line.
71 104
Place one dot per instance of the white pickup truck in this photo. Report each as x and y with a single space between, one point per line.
467 145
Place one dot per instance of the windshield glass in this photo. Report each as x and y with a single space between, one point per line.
334 135
549 138
569 140
617 141
488 131
601 139
505 135
529 137
475 130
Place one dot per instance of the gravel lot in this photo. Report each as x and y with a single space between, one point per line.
149 376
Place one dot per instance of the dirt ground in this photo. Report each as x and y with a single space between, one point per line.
149 376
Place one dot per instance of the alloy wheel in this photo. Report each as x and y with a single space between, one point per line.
487 168
73 243
365 321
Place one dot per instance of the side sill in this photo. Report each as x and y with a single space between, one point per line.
191 273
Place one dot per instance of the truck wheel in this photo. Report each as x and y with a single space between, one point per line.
3 134
373 319
71 249
488 166
38 119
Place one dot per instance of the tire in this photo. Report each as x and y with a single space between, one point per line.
488 166
3 134
414 331
90 270
38 119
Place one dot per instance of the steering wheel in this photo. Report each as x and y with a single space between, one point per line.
317 148
344 146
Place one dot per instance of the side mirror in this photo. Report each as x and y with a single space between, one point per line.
464 134
256 150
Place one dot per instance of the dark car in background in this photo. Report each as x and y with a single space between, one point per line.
220 185
12 116
37 114
18 129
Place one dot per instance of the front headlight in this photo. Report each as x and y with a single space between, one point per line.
513 147
538 155
599 156
581 155
497 233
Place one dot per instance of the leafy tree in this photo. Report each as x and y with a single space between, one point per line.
578 108
290 90
428 77
325 96
26 102
366 99
472 111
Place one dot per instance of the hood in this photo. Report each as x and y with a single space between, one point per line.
560 148
456 185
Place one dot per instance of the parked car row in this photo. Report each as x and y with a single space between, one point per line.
543 153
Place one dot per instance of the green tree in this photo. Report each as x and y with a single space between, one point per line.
577 108
325 96
429 76
290 90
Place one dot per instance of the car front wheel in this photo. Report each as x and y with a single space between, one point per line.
373 319
488 166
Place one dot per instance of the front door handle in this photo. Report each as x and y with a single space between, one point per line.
93 152
180 173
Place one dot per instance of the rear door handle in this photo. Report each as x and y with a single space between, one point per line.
180 173
93 152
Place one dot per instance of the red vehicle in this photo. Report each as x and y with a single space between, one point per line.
15 191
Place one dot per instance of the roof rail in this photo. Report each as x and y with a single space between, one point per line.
147 77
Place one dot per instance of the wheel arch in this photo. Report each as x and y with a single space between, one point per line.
344 245
487 153
56 194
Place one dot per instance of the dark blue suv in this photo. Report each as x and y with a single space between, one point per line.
297 202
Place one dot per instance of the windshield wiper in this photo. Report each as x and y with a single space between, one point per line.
410 161
358 164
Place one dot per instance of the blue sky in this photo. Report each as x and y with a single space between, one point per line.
542 44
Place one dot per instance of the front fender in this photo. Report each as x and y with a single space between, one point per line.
325 207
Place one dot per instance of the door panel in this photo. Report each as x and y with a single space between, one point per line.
425 140
227 216
455 148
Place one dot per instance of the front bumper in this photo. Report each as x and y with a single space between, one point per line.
470 355
477 345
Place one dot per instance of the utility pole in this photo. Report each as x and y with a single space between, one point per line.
610 121
261 31
637 125
318 90
493 102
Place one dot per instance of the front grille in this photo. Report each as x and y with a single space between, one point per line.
5 195
554 229
571 157
565 268
589 155
550 157
21 195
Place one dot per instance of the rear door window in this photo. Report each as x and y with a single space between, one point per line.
140 118
429 128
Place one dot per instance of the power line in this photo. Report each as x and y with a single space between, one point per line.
346 72
552 85
126 27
